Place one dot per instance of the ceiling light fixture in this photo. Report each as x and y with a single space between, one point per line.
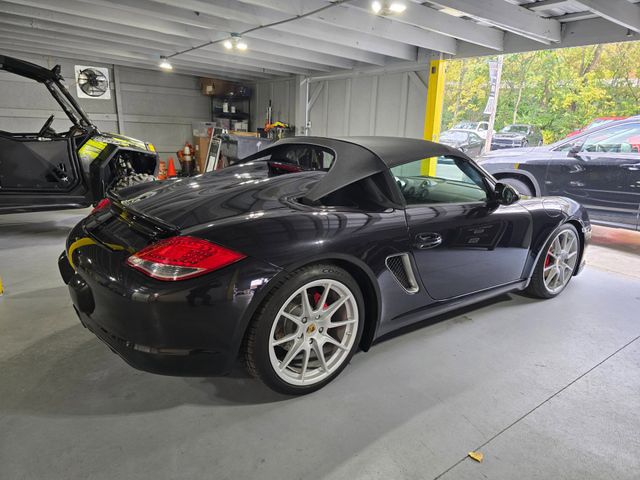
388 7
165 64
235 42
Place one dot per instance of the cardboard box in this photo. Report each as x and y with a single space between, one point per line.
202 147
243 134
214 86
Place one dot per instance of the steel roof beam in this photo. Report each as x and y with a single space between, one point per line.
275 51
507 16
355 21
39 51
433 20
620 12
225 21
111 54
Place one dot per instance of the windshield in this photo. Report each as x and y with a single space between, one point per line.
623 138
454 136
597 123
466 125
515 129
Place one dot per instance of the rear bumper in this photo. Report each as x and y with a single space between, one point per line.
190 328
178 362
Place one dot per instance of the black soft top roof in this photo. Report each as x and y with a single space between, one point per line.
361 157
29 70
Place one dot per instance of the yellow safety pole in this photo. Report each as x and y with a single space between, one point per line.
433 114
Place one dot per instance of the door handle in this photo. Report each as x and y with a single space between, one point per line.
631 166
427 240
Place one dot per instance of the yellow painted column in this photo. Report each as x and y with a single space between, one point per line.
433 114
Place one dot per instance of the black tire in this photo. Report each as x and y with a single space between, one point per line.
257 348
521 187
134 179
537 287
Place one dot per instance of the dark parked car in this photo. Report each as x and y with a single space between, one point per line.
514 136
49 170
467 141
600 168
296 269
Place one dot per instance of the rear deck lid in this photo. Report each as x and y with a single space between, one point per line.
238 190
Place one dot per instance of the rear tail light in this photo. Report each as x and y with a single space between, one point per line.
179 258
102 204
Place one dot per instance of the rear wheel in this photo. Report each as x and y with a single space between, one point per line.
555 267
307 330
521 187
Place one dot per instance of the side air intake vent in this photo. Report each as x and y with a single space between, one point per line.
400 267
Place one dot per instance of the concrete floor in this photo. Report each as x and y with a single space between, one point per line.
544 389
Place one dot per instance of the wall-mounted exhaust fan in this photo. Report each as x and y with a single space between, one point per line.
92 82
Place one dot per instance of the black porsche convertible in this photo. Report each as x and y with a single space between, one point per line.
306 251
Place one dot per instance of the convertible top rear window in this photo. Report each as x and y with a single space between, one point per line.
290 158
356 158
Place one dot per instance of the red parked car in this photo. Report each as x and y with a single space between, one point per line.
596 122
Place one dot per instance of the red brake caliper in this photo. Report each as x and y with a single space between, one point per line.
547 261
316 298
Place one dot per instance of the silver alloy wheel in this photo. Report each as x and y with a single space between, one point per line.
560 261
313 332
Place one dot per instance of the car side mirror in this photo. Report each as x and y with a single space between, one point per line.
575 150
505 194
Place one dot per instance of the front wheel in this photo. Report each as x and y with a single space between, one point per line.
556 265
306 331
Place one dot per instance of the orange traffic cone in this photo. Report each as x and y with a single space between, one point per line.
162 170
171 172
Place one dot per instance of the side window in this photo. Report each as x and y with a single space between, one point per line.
454 181
568 146
623 139
327 160
307 157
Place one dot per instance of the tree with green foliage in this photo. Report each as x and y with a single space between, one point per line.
558 90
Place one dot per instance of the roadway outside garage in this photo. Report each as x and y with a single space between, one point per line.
544 387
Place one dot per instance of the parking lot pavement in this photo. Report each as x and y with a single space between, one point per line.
615 250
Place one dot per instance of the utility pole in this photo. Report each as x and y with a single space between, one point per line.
492 103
